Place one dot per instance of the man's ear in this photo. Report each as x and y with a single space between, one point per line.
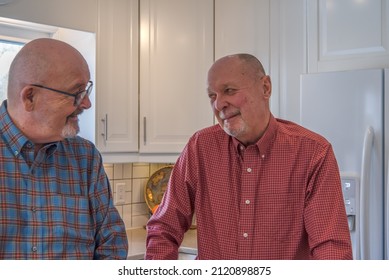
267 87
28 98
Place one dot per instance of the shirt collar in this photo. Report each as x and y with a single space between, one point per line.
264 142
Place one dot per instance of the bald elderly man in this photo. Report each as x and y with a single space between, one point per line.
55 198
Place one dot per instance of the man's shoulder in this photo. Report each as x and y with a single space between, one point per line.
294 130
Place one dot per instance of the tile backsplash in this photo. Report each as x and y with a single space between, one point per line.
133 209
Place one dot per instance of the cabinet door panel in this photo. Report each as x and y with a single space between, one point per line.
117 76
176 52
346 35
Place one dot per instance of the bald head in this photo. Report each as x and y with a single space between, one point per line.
249 64
41 61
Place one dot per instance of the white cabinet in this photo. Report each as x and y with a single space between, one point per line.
177 45
346 35
117 76
243 27
311 36
176 51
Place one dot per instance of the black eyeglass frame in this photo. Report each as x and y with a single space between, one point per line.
78 96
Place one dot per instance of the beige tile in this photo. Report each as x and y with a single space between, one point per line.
155 166
140 170
138 186
120 210
109 170
118 171
127 171
111 184
140 163
128 198
139 209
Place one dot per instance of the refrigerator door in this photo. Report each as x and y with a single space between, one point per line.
347 109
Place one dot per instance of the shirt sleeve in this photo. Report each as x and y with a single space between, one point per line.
110 237
325 215
167 226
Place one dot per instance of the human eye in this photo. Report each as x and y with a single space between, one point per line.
211 95
230 90
79 89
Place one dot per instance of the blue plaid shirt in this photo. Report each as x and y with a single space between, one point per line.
58 204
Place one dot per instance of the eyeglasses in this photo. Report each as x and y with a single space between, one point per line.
78 96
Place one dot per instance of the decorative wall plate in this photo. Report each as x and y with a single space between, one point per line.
156 187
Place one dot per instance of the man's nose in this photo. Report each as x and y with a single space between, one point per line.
85 103
220 103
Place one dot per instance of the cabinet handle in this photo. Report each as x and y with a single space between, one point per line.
144 131
105 130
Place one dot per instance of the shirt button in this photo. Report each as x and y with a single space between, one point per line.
263 156
16 153
34 249
33 209
245 235
249 170
247 201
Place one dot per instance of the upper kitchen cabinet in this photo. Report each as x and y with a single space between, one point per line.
117 76
176 50
345 35
243 27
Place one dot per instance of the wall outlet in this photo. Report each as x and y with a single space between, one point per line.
120 193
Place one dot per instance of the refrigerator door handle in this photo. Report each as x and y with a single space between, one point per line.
365 193
386 216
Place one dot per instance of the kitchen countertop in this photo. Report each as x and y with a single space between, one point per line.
137 244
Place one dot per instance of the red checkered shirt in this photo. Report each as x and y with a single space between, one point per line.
278 199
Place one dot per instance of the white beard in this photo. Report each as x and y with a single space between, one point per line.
236 130
70 130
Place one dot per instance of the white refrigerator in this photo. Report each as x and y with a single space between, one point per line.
350 109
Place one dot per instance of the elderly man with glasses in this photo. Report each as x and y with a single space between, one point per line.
55 198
